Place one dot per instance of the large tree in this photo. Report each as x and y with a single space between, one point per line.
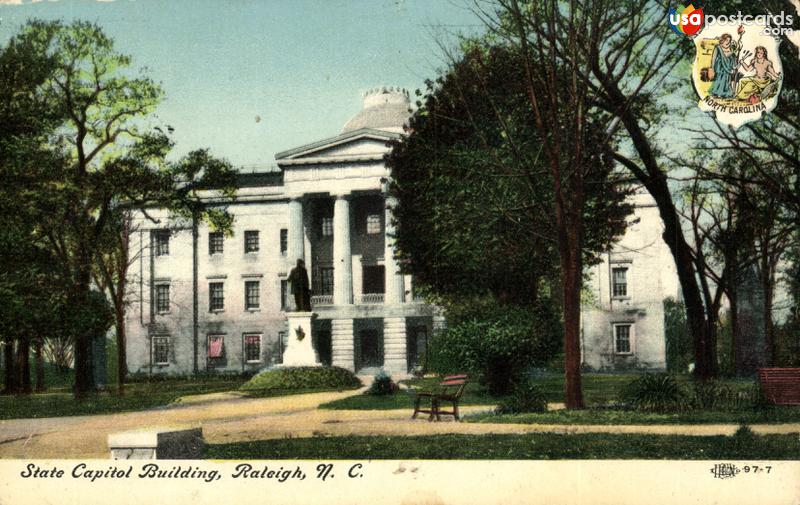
482 209
110 154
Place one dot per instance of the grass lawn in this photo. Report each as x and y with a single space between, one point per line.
619 416
138 396
473 395
597 389
532 446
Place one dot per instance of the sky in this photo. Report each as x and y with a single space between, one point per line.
249 78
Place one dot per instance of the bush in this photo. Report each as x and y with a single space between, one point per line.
302 378
382 385
526 396
655 393
715 395
497 342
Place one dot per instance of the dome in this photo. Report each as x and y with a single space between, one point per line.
384 109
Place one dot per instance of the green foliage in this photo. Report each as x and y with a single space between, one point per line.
302 378
498 343
656 393
78 147
475 210
382 385
718 395
678 336
525 396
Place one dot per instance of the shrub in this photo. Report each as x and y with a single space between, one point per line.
382 385
525 396
497 342
302 378
715 395
655 393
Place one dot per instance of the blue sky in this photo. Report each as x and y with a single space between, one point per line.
299 66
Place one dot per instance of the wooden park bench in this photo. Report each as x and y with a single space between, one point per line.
781 386
449 390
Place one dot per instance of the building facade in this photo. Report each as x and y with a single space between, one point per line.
204 301
622 318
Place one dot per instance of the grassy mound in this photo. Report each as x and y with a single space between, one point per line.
301 379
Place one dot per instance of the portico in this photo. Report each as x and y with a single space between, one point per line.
340 223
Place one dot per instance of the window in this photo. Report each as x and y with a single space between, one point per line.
327 226
282 343
251 241
160 351
252 295
326 281
216 296
284 241
162 298
215 242
373 224
373 279
622 338
284 294
161 242
252 348
216 346
619 282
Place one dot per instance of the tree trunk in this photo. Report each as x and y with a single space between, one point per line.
769 324
122 367
83 369
572 275
701 323
23 366
703 333
39 360
9 370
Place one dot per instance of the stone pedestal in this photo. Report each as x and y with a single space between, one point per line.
157 443
300 348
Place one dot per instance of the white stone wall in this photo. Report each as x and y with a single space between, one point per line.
233 268
651 277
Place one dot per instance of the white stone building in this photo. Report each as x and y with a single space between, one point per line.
203 301
622 318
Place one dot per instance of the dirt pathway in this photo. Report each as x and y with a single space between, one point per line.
228 417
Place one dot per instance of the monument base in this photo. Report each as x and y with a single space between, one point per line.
300 349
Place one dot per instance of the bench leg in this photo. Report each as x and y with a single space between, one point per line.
455 411
416 407
434 409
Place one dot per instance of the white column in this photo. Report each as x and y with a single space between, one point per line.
294 247
394 345
342 345
342 261
395 287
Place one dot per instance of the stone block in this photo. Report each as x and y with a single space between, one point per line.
157 443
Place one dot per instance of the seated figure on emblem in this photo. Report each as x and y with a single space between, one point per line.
761 86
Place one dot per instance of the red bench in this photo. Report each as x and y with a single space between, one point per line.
781 386
449 390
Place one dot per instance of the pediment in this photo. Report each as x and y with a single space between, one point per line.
364 143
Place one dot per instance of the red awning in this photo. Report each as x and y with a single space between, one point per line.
215 347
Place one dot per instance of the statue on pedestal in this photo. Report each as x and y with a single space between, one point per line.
298 278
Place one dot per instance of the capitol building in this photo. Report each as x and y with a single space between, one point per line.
205 301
